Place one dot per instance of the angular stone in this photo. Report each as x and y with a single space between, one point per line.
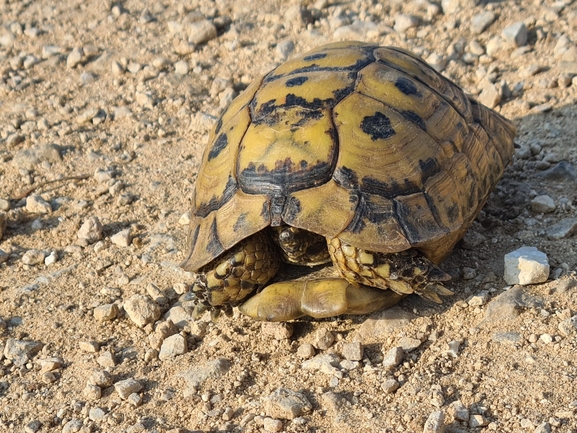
286 403
563 229
526 265
393 357
435 422
106 312
516 33
126 387
20 351
543 204
142 310
173 346
353 351
214 369
28 159
91 230
36 204
481 21
506 306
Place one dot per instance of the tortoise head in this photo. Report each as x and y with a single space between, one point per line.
301 247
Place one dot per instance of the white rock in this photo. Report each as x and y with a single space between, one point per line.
184 219
435 422
543 204
91 230
51 259
527 265
173 346
393 357
403 22
122 238
33 257
516 34
142 310
75 57
181 67
36 204
126 387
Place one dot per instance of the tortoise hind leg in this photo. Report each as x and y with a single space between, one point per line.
405 272
231 277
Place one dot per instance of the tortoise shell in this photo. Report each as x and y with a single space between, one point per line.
353 140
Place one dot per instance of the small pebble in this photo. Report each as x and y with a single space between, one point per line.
123 238
353 351
324 339
393 357
92 392
33 257
91 230
390 385
306 351
89 346
142 310
435 423
272 425
286 403
101 378
543 204
477 421
126 387
173 346
516 34
36 204
106 312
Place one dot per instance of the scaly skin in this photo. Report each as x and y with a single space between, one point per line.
247 267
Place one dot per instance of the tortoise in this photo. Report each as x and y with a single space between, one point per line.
352 153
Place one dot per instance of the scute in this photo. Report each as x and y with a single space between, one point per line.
351 140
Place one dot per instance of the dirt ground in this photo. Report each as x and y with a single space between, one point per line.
105 109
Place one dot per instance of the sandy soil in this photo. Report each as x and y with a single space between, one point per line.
105 109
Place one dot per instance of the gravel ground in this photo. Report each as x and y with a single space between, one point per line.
105 108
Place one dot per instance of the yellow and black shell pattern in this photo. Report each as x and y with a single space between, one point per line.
351 140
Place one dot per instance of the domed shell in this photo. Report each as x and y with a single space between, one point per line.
353 140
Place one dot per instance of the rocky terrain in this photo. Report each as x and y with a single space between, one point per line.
105 109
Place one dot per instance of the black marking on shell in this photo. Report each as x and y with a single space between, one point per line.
378 126
316 56
357 66
434 210
277 204
291 210
429 168
407 86
214 247
453 213
346 178
240 222
296 81
315 104
391 190
415 118
413 232
216 202
193 236
218 146
368 211
218 126
284 178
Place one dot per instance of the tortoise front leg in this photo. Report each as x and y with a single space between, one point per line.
289 300
405 272
231 277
